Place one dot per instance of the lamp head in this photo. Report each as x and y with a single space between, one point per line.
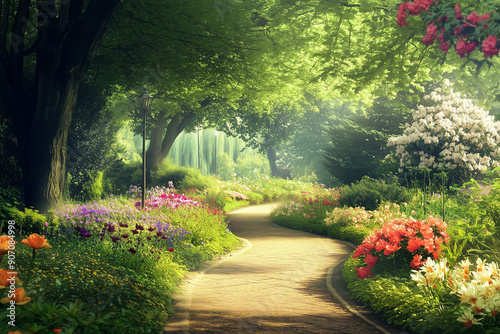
145 99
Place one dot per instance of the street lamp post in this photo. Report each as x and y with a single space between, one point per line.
145 99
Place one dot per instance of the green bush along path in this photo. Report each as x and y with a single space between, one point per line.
276 285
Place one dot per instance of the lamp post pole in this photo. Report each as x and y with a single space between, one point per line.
145 99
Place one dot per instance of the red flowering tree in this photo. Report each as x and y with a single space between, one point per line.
455 27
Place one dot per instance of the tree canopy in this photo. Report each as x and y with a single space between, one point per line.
197 56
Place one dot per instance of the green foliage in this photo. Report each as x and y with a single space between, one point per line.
9 199
120 176
302 153
29 220
476 232
358 141
252 167
370 193
183 178
10 171
400 302
92 143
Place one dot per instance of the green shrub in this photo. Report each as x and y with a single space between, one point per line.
255 198
400 302
369 193
9 199
183 178
29 220
120 176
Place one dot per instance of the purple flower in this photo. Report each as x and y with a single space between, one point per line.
114 239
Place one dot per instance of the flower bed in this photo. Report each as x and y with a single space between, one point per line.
112 267
416 273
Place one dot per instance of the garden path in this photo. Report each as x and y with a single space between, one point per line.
275 283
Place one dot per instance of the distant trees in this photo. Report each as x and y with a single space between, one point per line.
359 141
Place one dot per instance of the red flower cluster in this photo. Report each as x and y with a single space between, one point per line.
420 238
490 46
413 8
455 27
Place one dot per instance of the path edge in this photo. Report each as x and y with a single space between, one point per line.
340 299
183 299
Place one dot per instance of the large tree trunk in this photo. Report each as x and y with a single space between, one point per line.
43 144
161 141
42 107
271 157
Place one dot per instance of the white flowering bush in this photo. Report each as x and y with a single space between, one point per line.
452 135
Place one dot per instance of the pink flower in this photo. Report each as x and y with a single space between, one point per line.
444 46
431 34
490 46
458 12
424 4
414 8
474 19
458 30
441 36
401 16
463 48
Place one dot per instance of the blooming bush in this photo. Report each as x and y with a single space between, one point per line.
345 216
419 238
311 207
452 27
477 290
454 135
167 200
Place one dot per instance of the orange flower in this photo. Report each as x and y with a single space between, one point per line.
16 332
36 242
4 244
4 278
57 330
19 297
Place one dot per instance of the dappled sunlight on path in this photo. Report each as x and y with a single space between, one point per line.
276 286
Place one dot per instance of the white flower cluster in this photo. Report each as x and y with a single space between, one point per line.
452 134
290 208
477 289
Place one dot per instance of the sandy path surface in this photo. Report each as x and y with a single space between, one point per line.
277 284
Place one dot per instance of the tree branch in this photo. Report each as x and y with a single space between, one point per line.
15 67
4 19
82 40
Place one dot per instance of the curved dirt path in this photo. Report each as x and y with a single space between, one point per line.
274 284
